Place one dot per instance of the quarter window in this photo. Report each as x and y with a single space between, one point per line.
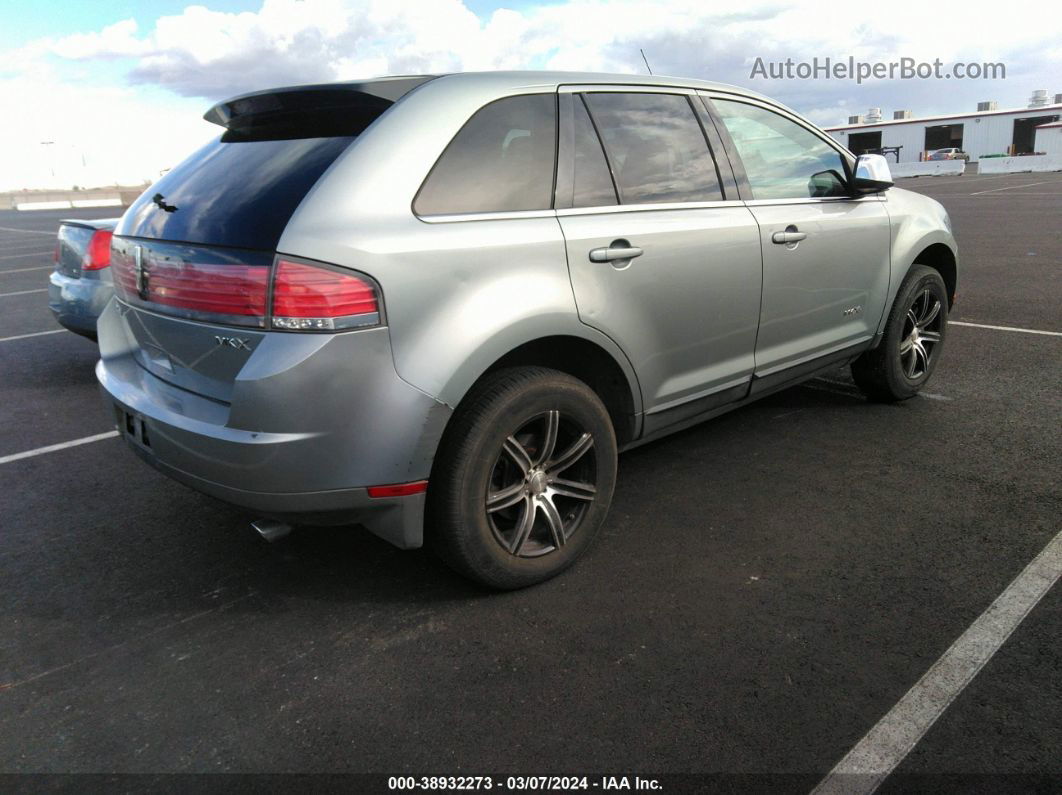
782 159
502 160
656 148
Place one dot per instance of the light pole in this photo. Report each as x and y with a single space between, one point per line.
51 159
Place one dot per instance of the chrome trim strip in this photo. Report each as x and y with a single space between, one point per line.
817 355
634 208
671 404
502 216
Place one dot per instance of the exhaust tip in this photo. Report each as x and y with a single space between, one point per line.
271 530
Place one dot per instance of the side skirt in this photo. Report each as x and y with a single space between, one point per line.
665 423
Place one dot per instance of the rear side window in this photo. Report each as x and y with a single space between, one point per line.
502 160
593 182
237 193
782 159
656 148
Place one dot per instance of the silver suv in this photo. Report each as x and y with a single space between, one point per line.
439 306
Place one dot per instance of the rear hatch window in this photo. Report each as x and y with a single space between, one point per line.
241 189
233 193
194 256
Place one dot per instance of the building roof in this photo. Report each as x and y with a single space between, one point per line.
977 113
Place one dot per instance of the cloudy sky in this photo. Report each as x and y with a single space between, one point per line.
119 86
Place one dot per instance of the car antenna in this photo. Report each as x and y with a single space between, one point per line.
647 66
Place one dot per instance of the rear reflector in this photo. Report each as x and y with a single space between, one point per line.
311 298
98 254
399 489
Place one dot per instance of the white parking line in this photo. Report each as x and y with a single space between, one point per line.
23 270
1010 187
99 437
24 292
34 334
1005 328
865 767
26 231
27 254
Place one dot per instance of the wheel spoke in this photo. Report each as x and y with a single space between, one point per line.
518 454
930 315
571 455
553 519
912 362
905 346
923 302
571 488
523 529
510 495
912 318
921 357
549 441
931 337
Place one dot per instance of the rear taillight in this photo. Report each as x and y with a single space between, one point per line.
98 254
311 298
232 286
213 289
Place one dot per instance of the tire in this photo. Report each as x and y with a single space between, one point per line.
497 449
904 360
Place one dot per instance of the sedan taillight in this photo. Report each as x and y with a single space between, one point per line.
98 253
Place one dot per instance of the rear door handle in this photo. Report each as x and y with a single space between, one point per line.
789 236
617 250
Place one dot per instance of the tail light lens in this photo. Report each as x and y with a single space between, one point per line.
209 288
313 298
232 287
98 254
197 282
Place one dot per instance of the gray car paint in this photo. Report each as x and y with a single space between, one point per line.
311 420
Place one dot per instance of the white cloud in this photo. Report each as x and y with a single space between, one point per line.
113 41
210 55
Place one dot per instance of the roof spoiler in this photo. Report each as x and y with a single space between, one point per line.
251 109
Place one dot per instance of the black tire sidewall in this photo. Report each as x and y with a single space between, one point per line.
480 552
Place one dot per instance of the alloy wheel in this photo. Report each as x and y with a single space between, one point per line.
922 331
541 485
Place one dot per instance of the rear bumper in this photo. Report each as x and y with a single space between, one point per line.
308 429
77 303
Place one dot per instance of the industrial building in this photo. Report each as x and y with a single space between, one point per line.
986 131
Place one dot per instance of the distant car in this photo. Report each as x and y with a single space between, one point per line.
81 283
948 154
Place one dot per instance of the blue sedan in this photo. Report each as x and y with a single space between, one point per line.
81 283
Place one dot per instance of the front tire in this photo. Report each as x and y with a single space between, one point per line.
523 478
913 341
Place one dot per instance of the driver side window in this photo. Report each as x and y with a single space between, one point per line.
782 159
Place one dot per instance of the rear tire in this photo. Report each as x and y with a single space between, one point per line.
523 478
913 341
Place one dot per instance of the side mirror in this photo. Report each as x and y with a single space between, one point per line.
872 174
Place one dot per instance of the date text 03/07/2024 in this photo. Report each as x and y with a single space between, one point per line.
522 783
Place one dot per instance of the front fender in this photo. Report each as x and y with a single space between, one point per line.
917 222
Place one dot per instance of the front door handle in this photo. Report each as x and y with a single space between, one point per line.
617 250
790 236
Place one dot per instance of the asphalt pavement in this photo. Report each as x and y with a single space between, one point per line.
768 585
